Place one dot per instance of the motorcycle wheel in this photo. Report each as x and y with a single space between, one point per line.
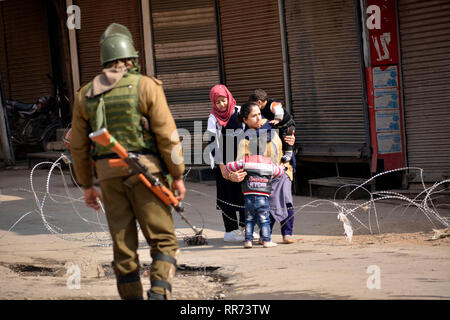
49 136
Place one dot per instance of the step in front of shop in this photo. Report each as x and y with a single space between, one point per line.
340 187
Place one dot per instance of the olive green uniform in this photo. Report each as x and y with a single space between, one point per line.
125 198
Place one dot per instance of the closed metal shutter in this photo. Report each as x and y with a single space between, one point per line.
327 84
185 46
96 16
3 52
425 54
25 51
185 50
251 45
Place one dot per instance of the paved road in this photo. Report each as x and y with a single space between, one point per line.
397 263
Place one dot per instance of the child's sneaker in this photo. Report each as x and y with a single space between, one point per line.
248 244
269 244
287 156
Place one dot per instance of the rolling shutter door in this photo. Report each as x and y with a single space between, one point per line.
425 53
3 52
25 51
185 46
96 16
326 77
185 51
251 45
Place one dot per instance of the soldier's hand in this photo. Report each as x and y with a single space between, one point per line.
90 198
178 185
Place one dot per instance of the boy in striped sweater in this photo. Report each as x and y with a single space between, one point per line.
256 188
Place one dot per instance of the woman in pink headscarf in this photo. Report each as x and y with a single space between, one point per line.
225 129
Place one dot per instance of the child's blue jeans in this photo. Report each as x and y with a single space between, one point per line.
257 209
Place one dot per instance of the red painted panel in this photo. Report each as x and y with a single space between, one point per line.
383 41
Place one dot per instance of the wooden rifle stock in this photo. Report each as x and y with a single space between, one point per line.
104 138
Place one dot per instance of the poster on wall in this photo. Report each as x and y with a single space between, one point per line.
385 77
389 142
386 99
387 120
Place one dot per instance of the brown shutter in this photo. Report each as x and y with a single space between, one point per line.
3 58
185 44
326 77
25 52
251 44
185 50
425 54
96 16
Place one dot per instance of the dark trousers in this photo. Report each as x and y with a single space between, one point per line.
287 224
230 201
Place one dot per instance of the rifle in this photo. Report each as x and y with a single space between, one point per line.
132 161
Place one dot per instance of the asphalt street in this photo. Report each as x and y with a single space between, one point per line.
389 256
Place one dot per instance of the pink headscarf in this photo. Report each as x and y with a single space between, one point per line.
222 116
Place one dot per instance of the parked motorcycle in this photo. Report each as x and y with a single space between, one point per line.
36 124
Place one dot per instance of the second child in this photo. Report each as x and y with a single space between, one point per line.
278 116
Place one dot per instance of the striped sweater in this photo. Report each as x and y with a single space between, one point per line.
260 172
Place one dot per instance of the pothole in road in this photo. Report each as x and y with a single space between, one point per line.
30 270
190 282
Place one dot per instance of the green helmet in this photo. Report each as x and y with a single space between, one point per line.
116 43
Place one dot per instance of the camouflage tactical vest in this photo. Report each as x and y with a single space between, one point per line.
121 116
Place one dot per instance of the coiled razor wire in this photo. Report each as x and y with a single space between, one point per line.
346 211
99 237
105 240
